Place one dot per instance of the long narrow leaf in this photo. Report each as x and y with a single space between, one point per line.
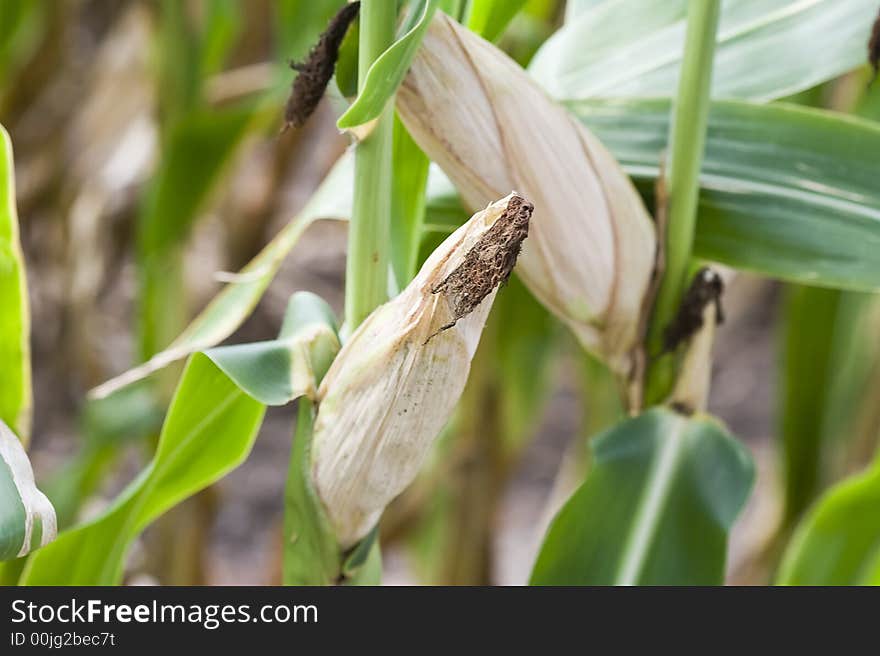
234 304
838 543
388 71
488 18
766 48
15 360
786 192
210 429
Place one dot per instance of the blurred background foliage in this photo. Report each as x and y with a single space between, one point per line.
148 159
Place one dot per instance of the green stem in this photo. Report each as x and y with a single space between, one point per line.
366 271
687 136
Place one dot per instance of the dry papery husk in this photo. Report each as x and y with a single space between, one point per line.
396 381
592 246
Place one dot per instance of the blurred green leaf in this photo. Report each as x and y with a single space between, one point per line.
199 146
635 48
444 211
346 74
15 359
787 192
311 554
488 18
408 186
177 47
388 71
210 428
223 23
226 312
838 542
21 25
299 23
656 508
277 371
824 367
130 415
193 160
525 346
807 347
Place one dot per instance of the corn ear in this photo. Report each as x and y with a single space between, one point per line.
591 250
396 381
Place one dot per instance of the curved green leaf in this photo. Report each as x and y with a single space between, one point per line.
655 509
277 371
198 148
228 310
299 23
766 48
210 428
826 357
838 542
27 519
388 71
15 357
312 555
786 191
488 18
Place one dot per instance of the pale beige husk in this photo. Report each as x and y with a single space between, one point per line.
591 248
392 388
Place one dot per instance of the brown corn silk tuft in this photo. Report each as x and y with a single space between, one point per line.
317 70
705 288
489 263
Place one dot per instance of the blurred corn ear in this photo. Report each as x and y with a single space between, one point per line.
396 381
592 246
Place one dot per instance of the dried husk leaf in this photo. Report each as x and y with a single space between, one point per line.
591 249
396 381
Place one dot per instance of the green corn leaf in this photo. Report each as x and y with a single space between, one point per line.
525 345
194 158
408 186
838 542
825 362
298 24
22 24
311 554
210 429
388 71
655 509
488 18
786 192
635 48
15 358
280 370
222 26
233 305
133 414
27 519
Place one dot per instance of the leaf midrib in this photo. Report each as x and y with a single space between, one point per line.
654 497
